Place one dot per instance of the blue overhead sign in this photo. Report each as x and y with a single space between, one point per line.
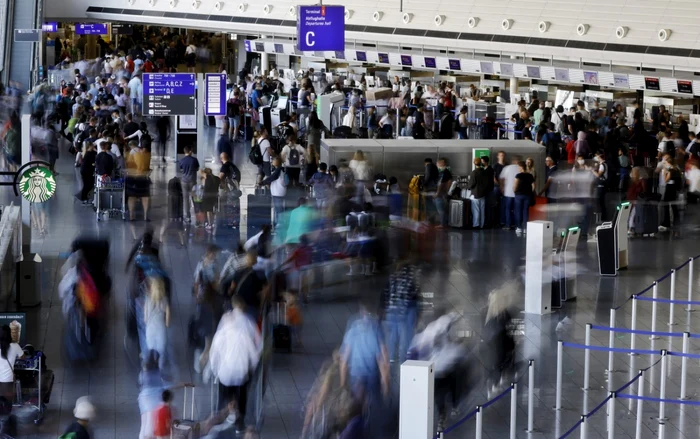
50 27
215 87
169 94
91 29
321 28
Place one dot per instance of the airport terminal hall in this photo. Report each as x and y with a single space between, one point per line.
360 219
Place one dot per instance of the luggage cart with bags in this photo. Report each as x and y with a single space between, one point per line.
110 197
33 383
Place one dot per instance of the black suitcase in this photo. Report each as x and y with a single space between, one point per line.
281 331
175 199
259 213
646 217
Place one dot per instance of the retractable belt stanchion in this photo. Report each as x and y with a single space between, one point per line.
479 426
633 340
560 366
586 368
673 297
531 396
684 364
611 416
513 410
584 434
653 311
640 404
662 392
611 345
690 285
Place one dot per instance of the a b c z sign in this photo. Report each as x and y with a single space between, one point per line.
321 28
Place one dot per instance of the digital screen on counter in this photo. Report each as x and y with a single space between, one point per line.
406 60
383 58
455 64
685 87
361 56
259 47
430 63
279 48
652 83
533 72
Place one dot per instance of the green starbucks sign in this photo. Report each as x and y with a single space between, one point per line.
37 184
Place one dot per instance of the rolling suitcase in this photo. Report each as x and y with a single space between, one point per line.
646 217
186 428
259 212
175 199
281 331
460 213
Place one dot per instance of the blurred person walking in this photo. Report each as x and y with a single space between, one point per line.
401 310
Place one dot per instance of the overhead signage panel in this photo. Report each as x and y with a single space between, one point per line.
621 81
652 83
27 35
321 28
50 27
685 87
590 78
561 75
91 29
169 94
215 89
123 29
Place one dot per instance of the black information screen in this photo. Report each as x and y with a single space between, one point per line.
652 83
361 56
533 72
259 47
383 58
430 63
685 87
406 60
455 64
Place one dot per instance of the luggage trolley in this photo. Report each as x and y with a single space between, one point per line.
107 185
33 380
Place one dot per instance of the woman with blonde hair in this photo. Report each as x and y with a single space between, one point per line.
530 167
360 166
157 319
350 118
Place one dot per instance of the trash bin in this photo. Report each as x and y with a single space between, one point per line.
28 284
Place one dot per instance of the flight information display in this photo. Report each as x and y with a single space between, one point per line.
430 63
406 60
169 94
383 58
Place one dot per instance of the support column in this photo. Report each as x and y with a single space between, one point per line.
264 62
513 88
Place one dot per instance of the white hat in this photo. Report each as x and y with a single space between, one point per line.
84 409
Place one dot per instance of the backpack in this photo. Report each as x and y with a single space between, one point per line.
415 186
255 155
145 141
294 157
71 435
233 108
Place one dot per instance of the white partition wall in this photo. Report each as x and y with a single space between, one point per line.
538 267
416 411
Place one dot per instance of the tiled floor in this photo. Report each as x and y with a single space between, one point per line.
476 263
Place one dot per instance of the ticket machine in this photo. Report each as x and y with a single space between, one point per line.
613 242
565 267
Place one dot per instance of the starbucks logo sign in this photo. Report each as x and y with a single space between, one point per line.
37 184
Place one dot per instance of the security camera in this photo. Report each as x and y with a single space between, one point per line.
664 34
293 11
621 32
543 26
406 18
242 7
348 13
267 9
506 24
172 3
582 29
439 20
377 15
196 4
472 22
219 6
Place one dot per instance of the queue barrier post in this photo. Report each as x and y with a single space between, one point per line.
586 368
653 310
673 297
684 365
611 345
560 366
640 403
662 391
633 337
611 416
479 421
584 434
531 396
513 410
690 285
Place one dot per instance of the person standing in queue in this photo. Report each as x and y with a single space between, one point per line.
443 186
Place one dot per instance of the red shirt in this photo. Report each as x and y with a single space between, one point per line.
130 66
571 152
302 256
148 66
162 421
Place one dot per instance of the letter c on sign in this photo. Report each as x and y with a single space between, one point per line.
309 41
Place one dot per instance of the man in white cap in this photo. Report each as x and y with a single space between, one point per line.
84 412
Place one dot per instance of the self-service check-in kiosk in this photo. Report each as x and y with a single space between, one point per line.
564 269
613 242
538 267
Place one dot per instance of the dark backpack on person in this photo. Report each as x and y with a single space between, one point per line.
145 141
294 157
233 108
255 155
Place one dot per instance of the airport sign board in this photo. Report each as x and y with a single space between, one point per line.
27 35
91 29
321 28
169 94
50 27
215 90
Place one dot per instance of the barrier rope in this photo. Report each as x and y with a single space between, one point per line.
637 331
675 301
607 349
664 400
